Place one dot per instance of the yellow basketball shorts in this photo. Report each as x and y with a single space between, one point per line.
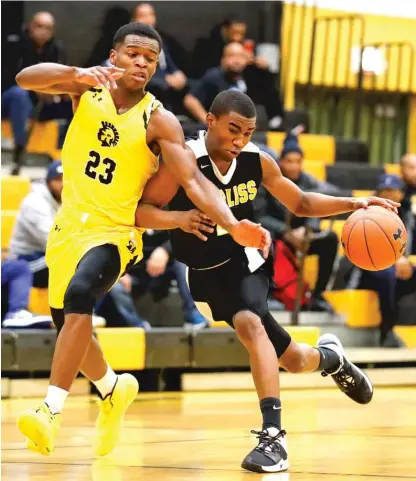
70 240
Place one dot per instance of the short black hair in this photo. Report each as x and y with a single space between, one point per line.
233 101
139 29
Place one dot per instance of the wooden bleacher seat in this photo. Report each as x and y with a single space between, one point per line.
315 168
392 169
8 218
407 334
39 302
43 139
14 188
362 193
336 226
124 348
315 147
310 270
360 307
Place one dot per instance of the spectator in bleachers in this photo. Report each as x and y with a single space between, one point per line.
35 44
231 75
169 83
291 229
391 284
114 18
408 170
156 272
34 221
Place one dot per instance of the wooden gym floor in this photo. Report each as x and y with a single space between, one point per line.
204 436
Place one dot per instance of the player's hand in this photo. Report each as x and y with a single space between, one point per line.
157 262
404 269
364 202
99 76
195 222
249 234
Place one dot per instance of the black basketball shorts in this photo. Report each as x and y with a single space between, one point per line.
221 292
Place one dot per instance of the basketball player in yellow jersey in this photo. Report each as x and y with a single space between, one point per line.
110 152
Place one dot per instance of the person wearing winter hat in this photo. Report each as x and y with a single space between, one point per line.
282 225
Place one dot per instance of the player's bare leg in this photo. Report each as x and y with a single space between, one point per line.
270 455
329 357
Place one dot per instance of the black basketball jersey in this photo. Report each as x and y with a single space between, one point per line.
239 187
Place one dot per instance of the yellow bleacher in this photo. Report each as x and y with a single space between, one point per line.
14 189
8 218
43 139
315 147
392 169
315 168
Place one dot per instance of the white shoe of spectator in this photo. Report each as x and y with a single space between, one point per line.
98 321
23 318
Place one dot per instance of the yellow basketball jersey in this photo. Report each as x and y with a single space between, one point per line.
106 160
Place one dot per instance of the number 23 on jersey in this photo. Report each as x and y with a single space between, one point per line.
94 163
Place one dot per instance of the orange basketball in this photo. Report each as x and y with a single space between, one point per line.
374 238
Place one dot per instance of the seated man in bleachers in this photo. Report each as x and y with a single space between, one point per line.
408 170
392 284
156 272
35 44
291 229
232 75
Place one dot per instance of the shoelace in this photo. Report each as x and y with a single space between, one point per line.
345 378
267 441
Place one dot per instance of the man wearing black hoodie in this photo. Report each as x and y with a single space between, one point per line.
34 45
291 229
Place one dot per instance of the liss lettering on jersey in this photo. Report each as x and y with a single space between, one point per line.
240 194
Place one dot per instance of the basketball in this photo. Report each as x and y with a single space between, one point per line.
374 238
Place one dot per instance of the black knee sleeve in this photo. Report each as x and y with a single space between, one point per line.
96 273
58 318
278 336
79 297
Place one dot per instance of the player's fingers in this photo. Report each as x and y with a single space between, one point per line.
198 234
206 219
101 78
205 228
93 80
110 82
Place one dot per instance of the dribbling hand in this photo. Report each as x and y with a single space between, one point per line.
364 202
195 222
249 234
99 76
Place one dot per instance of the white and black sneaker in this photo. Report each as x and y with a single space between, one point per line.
270 455
351 380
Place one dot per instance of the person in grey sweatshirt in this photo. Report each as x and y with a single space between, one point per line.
34 221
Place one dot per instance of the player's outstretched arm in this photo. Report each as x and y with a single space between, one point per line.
165 130
309 204
54 78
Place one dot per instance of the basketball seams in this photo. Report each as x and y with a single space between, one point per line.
382 230
366 243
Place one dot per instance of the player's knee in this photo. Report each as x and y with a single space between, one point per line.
79 298
248 327
293 360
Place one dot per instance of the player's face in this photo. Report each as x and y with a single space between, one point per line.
409 169
139 57
291 165
232 132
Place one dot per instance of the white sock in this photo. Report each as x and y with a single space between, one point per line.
55 399
106 384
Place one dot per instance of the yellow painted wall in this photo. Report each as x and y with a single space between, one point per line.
296 45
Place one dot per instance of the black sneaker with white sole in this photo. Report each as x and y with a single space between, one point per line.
350 379
270 455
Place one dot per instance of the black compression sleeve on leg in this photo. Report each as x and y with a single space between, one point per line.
58 318
278 336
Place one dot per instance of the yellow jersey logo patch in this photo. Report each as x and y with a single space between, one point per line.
108 135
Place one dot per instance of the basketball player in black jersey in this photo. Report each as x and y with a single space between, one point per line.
229 282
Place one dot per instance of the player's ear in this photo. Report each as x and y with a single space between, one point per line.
113 55
210 120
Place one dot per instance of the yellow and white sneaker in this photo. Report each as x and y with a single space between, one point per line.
40 427
112 410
